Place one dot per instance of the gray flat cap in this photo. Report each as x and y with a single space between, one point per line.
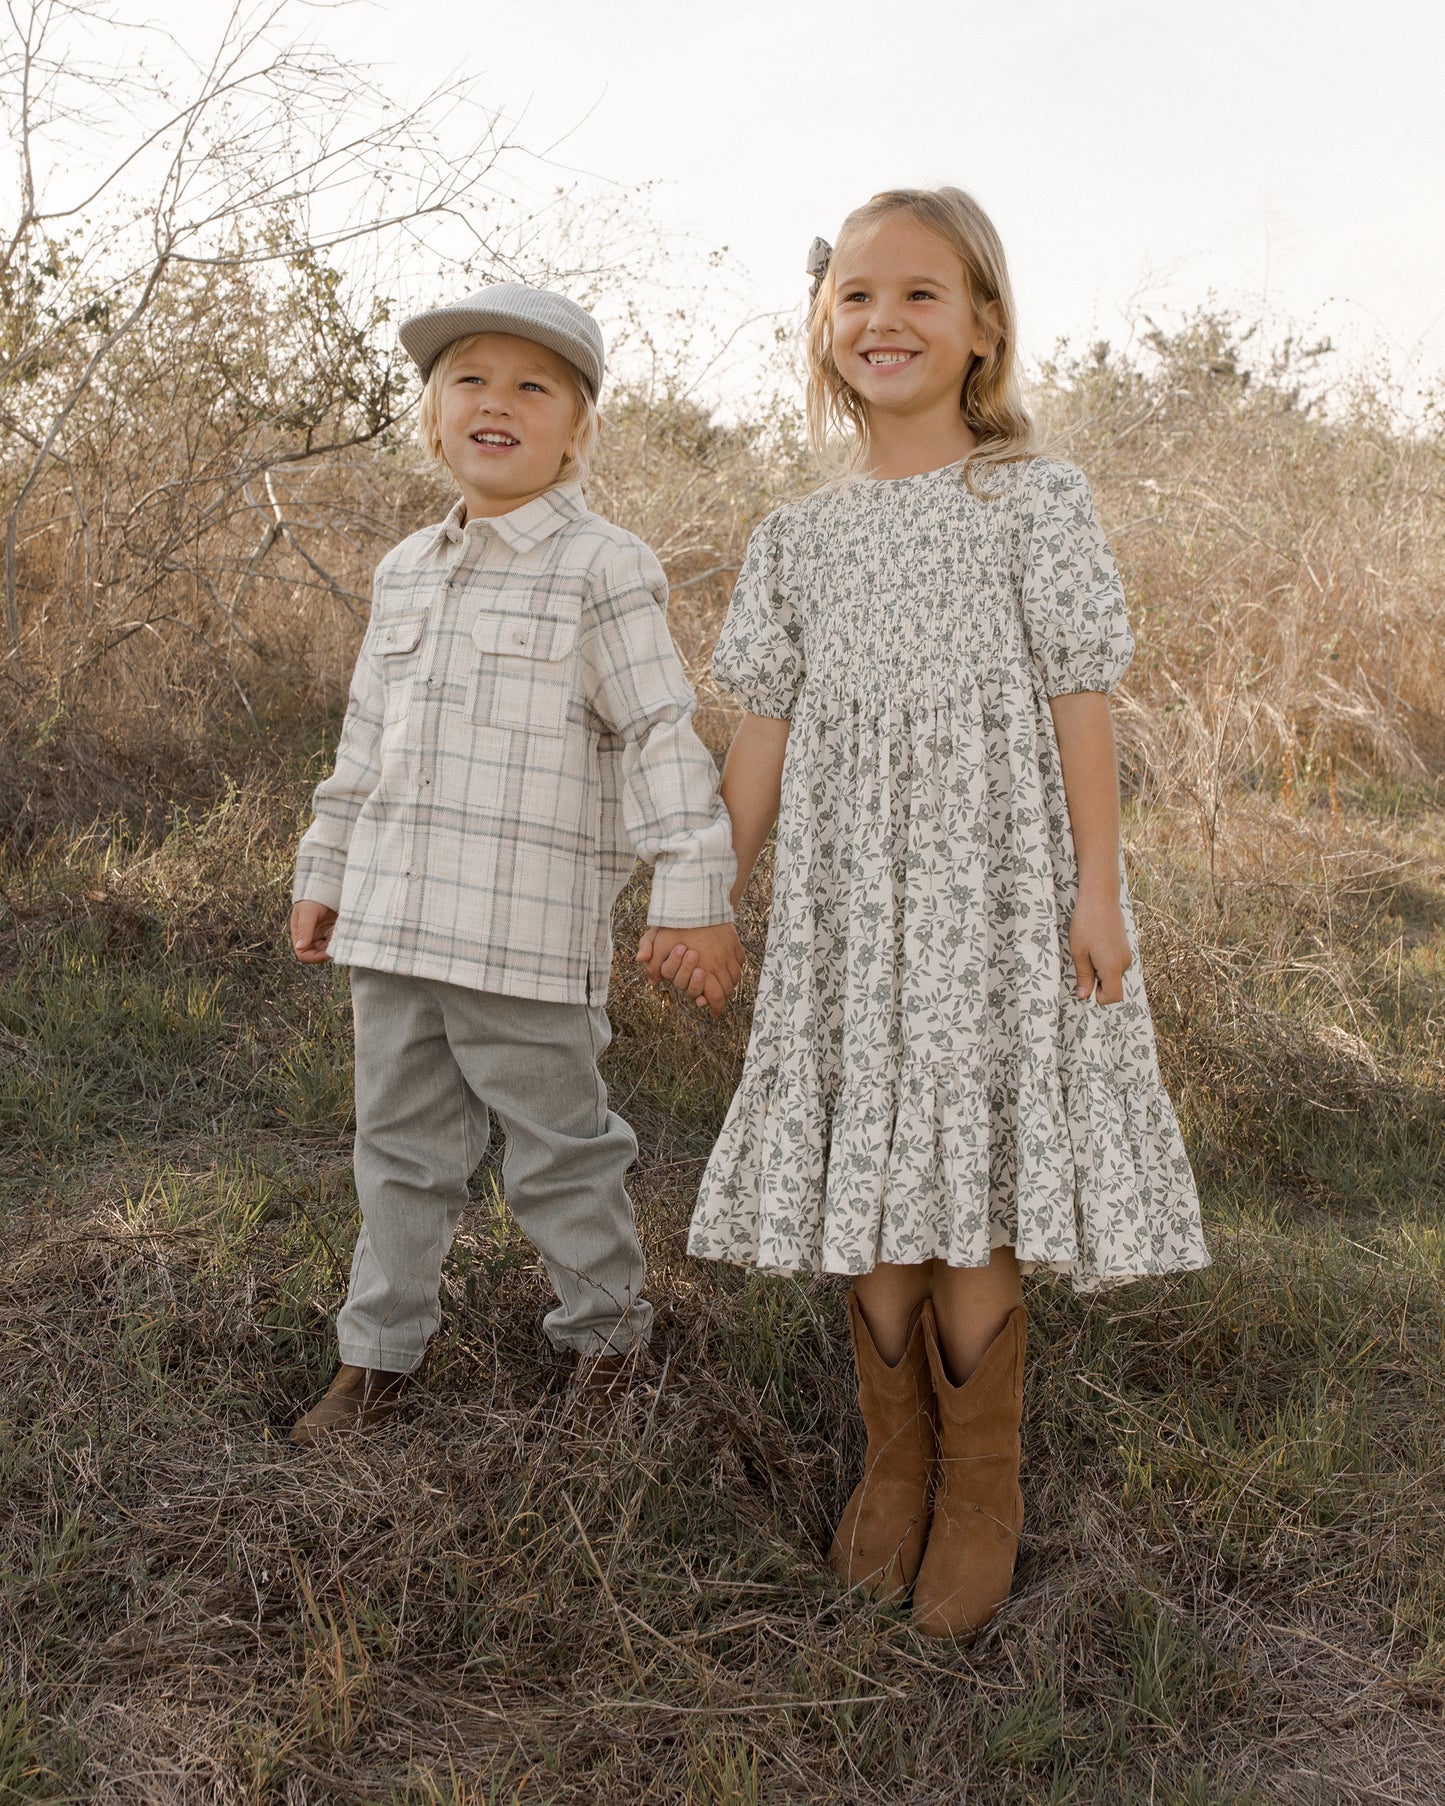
529 313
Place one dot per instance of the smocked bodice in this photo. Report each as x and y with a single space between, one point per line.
926 598
912 592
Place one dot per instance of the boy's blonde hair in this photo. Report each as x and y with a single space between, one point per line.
991 400
576 466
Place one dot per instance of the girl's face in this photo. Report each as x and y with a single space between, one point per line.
904 326
506 415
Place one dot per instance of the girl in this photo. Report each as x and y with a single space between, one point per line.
952 1077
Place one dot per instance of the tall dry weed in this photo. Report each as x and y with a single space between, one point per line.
1285 564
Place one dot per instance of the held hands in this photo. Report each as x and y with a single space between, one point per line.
1099 946
311 925
704 963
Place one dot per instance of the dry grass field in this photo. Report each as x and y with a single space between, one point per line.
1232 1586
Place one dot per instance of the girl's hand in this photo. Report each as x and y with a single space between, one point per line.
311 925
1099 947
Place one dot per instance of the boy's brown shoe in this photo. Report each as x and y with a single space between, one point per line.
359 1398
603 1384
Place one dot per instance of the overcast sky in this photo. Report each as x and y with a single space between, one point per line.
1132 154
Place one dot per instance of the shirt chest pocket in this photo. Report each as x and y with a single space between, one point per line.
524 676
394 645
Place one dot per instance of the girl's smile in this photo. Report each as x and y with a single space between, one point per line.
905 334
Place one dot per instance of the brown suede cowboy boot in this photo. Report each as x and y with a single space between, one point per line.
879 1541
359 1398
978 1510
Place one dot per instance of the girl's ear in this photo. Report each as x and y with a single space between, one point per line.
990 327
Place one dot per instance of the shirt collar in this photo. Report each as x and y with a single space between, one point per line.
523 527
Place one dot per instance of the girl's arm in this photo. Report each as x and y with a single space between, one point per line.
752 784
1098 941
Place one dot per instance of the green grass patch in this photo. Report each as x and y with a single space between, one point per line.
1232 1585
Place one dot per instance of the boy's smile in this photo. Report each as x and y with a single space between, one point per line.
506 415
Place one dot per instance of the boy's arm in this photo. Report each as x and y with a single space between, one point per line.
336 801
670 803
751 790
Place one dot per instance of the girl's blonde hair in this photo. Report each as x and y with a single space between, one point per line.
991 399
576 466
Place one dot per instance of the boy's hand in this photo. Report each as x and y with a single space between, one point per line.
311 925
1099 947
704 963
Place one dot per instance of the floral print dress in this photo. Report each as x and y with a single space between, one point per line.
921 1081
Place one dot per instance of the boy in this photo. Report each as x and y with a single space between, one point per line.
518 731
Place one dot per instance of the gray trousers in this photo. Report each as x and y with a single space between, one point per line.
431 1059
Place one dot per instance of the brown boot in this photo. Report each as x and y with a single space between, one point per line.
879 1541
978 1510
359 1398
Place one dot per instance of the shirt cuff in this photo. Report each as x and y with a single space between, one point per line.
690 894
318 881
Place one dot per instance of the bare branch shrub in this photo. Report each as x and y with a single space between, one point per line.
207 443
194 326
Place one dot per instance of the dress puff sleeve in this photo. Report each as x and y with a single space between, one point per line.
759 654
1073 601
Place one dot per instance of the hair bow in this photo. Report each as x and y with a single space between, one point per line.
820 255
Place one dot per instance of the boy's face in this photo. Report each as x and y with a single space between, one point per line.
506 414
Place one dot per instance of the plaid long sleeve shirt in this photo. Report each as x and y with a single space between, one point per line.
519 732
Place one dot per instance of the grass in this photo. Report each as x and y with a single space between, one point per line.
1232 1587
